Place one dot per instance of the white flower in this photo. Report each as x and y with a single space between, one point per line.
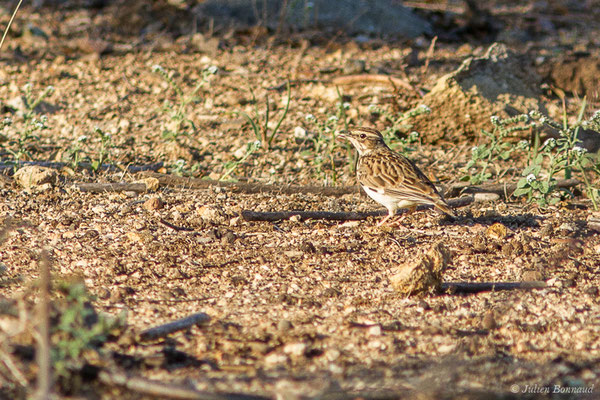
414 135
494 119
7 121
579 150
82 138
523 144
333 118
212 69
157 68
346 106
530 178
373 108
474 149
256 143
424 108
310 118
550 143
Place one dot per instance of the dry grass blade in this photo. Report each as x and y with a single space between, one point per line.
44 382
14 14
167 390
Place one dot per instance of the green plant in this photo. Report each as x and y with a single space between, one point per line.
323 146
78 330
178 122
75 151
485 155
231 166
398 126
563 155
19 148
261 132
104 151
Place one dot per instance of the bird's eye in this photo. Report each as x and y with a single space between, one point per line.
362 136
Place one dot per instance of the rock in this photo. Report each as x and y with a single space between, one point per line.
481 197
497 231
210 214
153 203
378 17
423 276
295 349
35 178
463 101
489 321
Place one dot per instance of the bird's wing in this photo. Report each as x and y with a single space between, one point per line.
394 174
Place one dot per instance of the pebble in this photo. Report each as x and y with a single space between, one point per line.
153 203
481 197
228 238
295 349
489 322
284 325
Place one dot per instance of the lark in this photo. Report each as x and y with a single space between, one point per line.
390 178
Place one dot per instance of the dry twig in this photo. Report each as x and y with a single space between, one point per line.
477 287
167 390
174 326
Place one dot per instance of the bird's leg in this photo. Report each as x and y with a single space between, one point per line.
383 221
391 214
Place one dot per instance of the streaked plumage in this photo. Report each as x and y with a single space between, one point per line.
390 178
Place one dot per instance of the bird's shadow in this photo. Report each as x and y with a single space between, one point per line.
526 220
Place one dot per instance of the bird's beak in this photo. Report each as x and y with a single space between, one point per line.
342 135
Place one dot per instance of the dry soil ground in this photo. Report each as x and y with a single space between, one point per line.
297 308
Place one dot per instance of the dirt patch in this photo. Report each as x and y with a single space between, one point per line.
499 83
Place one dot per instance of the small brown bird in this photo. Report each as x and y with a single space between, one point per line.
390 178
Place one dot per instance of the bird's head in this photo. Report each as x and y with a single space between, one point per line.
364 139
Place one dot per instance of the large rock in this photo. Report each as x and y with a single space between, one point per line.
499 83
355 16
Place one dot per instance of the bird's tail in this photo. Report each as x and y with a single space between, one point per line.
444 207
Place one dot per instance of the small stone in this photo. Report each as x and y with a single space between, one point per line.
482 197
228 238
36 178
295 349
592 291
308 247
210 214
153 203
489 321
284 325
497 231
374 330
151 183
531 275
274 359
293 253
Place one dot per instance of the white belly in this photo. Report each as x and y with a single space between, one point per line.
392 203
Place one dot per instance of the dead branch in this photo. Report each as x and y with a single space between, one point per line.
174 326
499 188
167 390
249 215
8 166
372 78
249 188
477 287
112 187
